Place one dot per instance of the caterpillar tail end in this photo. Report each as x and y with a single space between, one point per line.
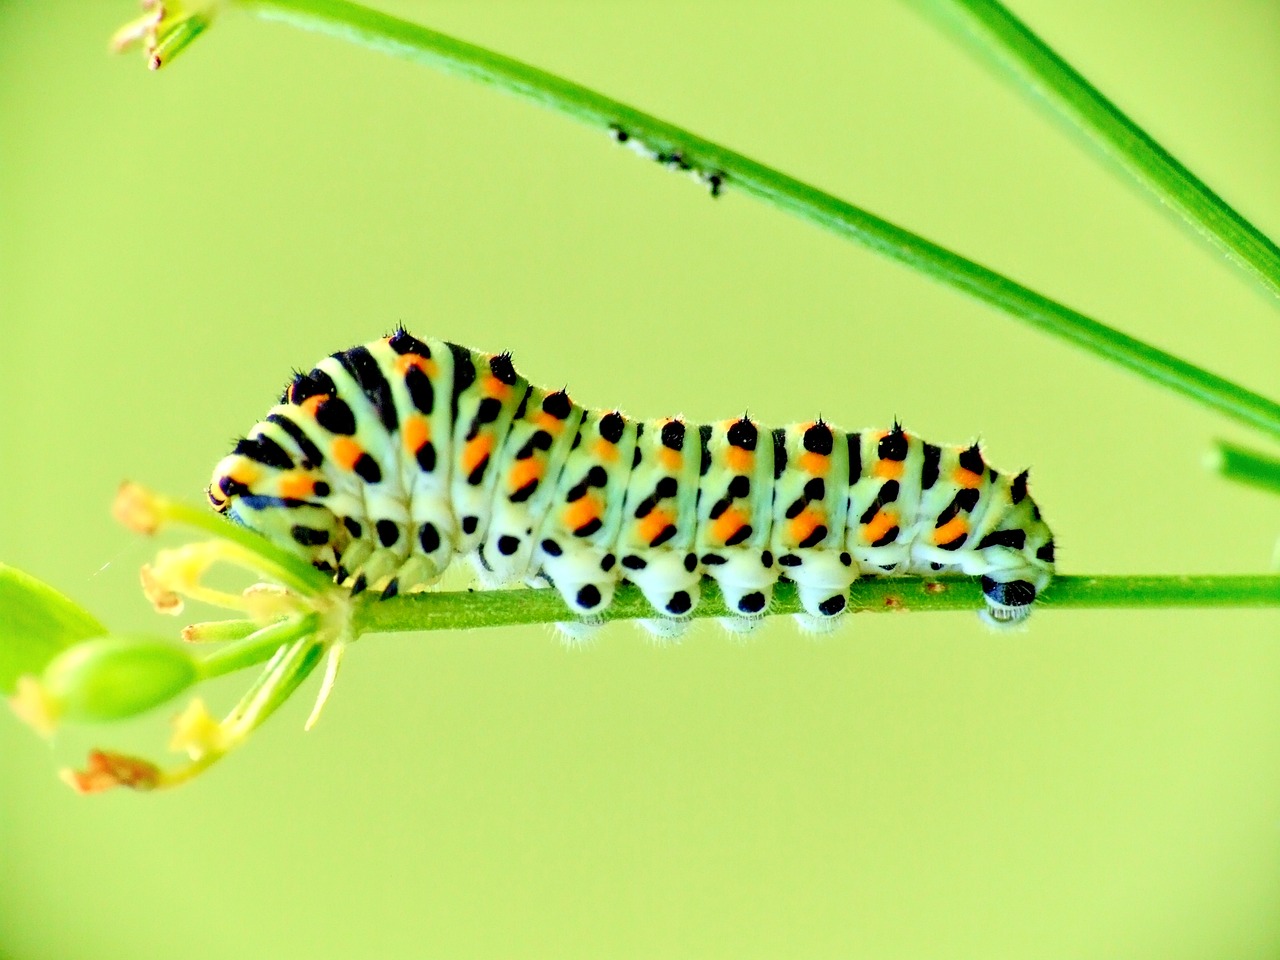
1010 599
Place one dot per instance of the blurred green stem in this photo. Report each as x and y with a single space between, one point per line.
1008 42
1245 466
357 24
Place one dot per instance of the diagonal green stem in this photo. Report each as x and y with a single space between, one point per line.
1048 78
349 21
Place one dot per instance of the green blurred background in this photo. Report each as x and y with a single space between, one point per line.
1105 785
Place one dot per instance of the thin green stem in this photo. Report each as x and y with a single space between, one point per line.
288 667
219 631
1245 466
285 672
357 24
258 647
1008 42
466 609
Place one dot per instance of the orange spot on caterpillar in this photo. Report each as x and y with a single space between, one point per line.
406 361
955 527
814 464
670 459
889 469
934 587
727 524
581 512
804 524
657 520
245 474
297 486
493 387
414 432
549 423
739 460
473 454
606 451
966 478
522 471
880 524
312 404
346 452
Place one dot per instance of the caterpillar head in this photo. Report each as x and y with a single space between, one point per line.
228 483
265 500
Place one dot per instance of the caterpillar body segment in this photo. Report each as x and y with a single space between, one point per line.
535 450
385 462
735 517
810 511
575 541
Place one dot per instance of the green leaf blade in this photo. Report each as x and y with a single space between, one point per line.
36 624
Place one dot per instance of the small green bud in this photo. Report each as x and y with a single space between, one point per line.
166 28
115 677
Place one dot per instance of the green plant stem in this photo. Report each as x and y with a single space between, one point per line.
351 22
1004 39
218 631
1245 466
466 609
258 647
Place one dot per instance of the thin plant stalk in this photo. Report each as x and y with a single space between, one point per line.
495 608
469 609
257 647
379 31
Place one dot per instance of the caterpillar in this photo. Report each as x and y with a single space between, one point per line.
385 462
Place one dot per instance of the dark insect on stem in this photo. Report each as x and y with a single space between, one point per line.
713 180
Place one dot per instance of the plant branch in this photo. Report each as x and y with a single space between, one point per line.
354 23
1035 67
495 608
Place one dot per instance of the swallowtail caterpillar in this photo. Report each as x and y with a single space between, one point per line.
386 462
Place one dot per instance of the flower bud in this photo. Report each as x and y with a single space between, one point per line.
138 508
106 770
115 677
165 28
